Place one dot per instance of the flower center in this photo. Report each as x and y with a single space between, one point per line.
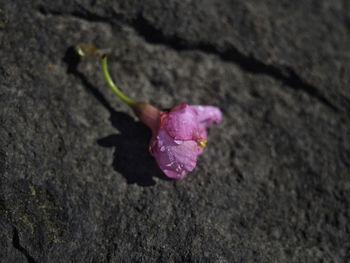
201 143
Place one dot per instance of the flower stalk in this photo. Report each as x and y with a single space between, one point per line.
132 103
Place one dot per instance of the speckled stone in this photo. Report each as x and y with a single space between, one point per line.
77 183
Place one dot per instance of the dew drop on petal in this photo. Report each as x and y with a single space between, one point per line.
162 149
170 164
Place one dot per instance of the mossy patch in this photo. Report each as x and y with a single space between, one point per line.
33 211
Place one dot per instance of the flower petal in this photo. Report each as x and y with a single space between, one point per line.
206 115
174 157
186 122
181 123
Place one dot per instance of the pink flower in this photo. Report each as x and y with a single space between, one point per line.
179 136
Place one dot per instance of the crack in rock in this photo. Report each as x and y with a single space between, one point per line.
17 245
228 53
2 161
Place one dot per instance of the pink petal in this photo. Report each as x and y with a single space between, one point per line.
190 122
206 115
174 157
175 144
181 123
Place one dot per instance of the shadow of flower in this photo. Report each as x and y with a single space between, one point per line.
131 156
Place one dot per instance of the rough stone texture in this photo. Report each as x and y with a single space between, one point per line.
76 181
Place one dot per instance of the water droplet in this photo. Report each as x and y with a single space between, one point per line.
162 149
178 141
170 164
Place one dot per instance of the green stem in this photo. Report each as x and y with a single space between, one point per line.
113 87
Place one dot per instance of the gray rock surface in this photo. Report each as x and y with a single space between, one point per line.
76 181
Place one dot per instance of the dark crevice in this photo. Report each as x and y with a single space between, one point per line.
83 14
17 245
228 53
2 161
